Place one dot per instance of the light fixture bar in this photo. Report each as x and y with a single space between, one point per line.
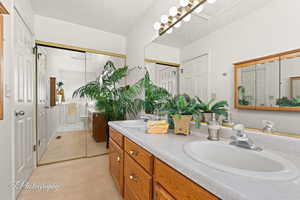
189 9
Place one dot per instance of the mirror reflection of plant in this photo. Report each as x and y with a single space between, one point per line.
112 101
288 102
219 107
242 96
154 96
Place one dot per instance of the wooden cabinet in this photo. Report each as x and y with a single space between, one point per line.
138 182
52 91
116 136
131 167
160 193
116 165
97 126
178 185
140 155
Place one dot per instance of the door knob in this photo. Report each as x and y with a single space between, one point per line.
20 113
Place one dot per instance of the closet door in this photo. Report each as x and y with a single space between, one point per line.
23 101
194 78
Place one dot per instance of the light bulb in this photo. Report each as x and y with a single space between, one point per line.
184 3
157 26
199 9
173 11
187 18
170 31
164 19
177 25
211 1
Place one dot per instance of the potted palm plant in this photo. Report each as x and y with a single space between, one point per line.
181 109
208 109
114 102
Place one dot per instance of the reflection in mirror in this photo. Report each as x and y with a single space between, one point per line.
267 87
194 77
97 125
164 76
205 48
290 81
295 87
246 86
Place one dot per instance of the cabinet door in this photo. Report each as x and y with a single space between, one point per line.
138 183
116 163
160 193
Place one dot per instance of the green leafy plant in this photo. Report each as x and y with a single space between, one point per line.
112 101
242 96
219 108
181 105
154 96
288 102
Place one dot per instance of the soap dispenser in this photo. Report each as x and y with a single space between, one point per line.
214 129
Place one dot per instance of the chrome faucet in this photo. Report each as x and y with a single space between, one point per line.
242 140
268 126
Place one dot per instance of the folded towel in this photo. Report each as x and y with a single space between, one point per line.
157 127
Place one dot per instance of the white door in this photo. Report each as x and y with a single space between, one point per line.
42 136
167 78
194 78
23 101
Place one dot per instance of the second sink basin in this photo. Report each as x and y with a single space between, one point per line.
133 123
244 162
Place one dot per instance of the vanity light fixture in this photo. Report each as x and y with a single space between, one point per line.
170 31
157 26
164 19
187 18
177 25
177 15
173 11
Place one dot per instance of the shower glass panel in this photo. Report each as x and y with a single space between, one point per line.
62 132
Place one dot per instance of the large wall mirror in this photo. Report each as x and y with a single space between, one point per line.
197 60
269 83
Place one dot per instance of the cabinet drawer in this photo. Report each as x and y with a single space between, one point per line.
140 155
116 164
116 136
178 185
138 182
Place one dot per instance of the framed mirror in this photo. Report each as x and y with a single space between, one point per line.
269 83
1 71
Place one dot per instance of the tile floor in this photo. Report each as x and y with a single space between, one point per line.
84 179
73 144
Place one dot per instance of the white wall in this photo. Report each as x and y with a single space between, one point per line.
271 29
162 52
143 34
58 31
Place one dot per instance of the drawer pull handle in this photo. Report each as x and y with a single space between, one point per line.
133 177
133 153
118 158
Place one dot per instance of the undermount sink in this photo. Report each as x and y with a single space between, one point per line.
133 123
244 162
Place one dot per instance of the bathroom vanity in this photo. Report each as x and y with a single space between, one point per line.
137 173
162 167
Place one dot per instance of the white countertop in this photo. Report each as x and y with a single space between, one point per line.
169 148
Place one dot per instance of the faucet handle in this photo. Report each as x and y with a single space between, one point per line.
268 123
239 129
268 126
